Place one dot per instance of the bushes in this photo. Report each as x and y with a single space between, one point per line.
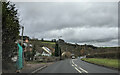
105 55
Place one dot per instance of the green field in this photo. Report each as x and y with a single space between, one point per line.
104 61
48 42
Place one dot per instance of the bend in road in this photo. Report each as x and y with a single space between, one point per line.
75 66
91 68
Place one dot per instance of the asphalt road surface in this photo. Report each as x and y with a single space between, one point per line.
76 66
0 65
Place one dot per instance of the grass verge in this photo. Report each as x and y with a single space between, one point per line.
112 63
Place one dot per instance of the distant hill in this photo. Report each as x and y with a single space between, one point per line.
76 49
79 50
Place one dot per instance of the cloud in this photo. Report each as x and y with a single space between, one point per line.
111 43
82 34
76 22
64 0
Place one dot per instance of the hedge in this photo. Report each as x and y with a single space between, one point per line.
105 55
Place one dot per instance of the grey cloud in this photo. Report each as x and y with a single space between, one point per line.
50 20
111 43
70 14
79 35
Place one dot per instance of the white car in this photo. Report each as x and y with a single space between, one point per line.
73 57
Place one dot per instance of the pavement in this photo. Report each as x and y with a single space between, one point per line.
75 66
31 68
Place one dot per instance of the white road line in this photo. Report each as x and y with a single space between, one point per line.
75 64
78 70
72 65
83 70
39 69
79 67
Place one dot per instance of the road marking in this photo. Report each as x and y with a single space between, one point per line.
83 70
39 69
78 70
73 64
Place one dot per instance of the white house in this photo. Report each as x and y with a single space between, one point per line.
46 51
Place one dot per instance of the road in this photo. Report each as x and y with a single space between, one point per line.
75 66
0 65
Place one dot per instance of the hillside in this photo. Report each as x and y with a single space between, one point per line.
39 44
79 50
76 49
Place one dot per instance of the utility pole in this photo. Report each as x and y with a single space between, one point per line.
22 44
22 34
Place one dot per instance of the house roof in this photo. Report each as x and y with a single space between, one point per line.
47 50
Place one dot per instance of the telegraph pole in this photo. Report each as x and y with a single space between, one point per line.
22 34
22 44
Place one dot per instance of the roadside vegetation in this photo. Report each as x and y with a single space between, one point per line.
113 63
10 34
10 30
113 55
107 58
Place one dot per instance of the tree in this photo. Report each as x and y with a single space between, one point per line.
42 39
82 52
60 52
56 50
53 40
33 51
10 29
30 54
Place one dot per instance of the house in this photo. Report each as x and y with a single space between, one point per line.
46 51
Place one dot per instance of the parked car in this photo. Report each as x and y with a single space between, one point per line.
73 57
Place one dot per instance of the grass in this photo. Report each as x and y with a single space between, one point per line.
104 61
49 42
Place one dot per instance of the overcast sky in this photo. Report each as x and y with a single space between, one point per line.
77 22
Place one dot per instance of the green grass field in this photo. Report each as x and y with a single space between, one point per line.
103 61
49 42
